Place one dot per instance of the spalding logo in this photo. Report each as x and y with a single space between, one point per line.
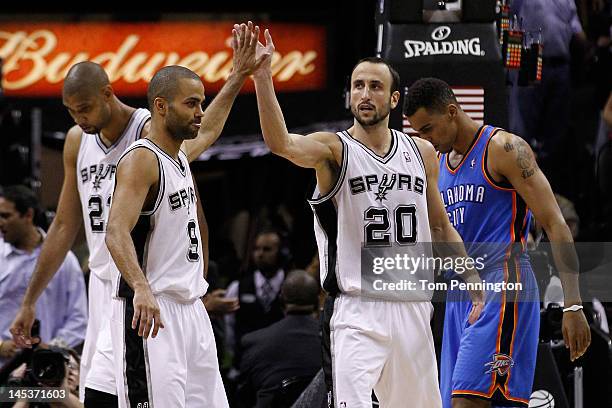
440 33
466 46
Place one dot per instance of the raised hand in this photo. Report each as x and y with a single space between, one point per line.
245 40
264 54
250 54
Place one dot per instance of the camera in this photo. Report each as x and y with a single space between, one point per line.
45 367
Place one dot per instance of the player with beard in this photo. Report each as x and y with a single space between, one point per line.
376 188
152 236
104 129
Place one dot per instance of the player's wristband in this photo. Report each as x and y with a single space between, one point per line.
573 308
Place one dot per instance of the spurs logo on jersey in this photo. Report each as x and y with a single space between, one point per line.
388 182
97 173
376 202
182 198
96 169
167 236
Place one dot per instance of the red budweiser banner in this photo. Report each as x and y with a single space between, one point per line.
38 55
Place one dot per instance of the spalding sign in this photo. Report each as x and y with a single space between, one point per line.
465 46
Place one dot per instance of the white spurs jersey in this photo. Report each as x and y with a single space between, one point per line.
167 236
96 168
376 203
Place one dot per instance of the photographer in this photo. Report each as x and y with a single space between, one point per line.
70 382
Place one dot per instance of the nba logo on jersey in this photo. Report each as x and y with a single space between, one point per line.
407 157
501 363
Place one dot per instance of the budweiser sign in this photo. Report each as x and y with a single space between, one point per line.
37 56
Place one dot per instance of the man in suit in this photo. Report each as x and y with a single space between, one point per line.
258 293
286 349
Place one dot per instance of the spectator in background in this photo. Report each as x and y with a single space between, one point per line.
541 113
258 291
62 308
288 349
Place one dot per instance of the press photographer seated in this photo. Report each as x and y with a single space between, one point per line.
39 368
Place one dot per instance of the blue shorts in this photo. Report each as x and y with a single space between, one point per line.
493 359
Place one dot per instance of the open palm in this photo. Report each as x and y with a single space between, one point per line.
249 54
264 53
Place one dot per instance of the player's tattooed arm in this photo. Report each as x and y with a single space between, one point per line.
523 156
512 158
525 159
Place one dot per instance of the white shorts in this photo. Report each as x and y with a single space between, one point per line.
382 346
178 368
97 363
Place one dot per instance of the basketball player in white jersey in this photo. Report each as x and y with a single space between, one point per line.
153 238
105 127
370 179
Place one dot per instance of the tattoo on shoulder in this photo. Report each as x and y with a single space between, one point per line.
525 159
508 147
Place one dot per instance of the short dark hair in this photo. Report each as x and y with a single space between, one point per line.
85 77
269 230
22 197
395 78
300 290
165 83
433 94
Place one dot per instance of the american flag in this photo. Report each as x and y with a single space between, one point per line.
471 100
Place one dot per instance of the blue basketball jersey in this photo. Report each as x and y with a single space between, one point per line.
481 210
494 358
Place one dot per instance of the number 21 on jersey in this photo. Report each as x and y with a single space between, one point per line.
97 220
